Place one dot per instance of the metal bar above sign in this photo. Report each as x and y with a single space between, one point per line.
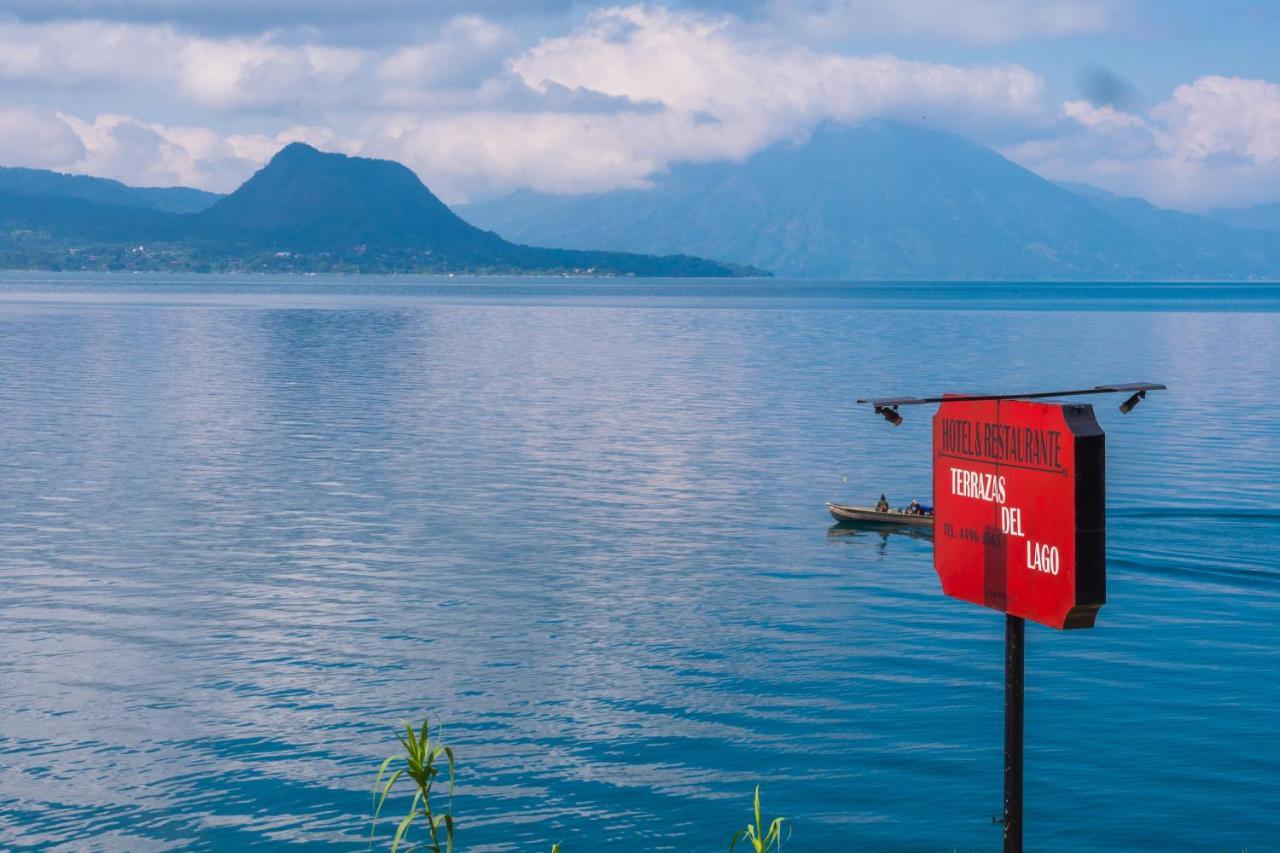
1034 395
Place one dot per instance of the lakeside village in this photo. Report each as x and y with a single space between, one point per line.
192 258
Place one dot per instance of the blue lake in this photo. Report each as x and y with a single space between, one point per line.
248 524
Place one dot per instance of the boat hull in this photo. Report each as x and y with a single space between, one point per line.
870 515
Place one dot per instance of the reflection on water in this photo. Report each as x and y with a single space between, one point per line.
245 527
848 529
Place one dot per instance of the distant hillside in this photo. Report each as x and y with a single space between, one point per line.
45 183
886 201
1185 245
304 211
1263 217
305 200
37 218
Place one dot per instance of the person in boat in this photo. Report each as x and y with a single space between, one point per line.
882 505
914 509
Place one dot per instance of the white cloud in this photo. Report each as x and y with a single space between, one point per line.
466 45
1105 116
978 21
230 73
143 154
79 52
466 155
148 154
1215 142
700 62
1224 115
260 73
31 138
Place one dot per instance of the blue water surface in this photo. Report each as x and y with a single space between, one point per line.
248 524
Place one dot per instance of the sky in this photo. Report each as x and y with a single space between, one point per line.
1175 101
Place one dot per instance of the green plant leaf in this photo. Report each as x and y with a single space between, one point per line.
406 822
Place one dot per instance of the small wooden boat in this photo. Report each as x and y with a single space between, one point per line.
871 515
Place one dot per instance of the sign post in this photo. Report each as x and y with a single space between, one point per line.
1019 492
1014 629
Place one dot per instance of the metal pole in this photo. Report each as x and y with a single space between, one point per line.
1014 632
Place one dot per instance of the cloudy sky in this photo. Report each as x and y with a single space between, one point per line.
1178 102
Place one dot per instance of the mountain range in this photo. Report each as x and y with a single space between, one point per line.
40 182
1263 217
878 200
306 210
889 201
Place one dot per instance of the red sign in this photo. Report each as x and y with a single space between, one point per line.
1019 493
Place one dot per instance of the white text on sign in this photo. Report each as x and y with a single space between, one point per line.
983 487
1010 521
1042 558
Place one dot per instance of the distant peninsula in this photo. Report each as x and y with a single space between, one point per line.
305 211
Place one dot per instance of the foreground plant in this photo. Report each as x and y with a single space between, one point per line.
759 838
421 765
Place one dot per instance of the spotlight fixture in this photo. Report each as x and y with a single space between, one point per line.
890 414
1127 406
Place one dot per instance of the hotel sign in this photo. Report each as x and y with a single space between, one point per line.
1019 492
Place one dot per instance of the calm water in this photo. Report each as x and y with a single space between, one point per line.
248 524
